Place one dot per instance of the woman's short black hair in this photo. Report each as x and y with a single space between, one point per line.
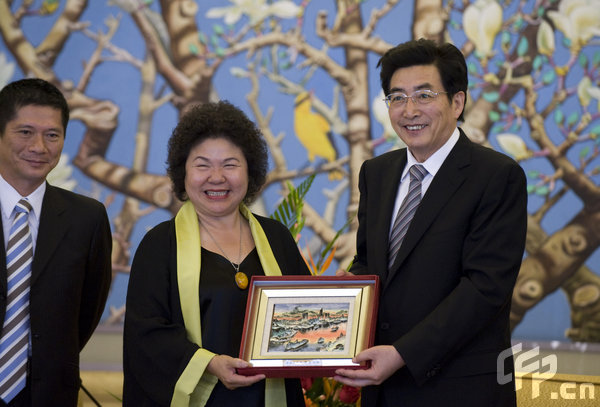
217 120
448 60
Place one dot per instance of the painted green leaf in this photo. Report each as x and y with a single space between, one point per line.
523 47
583 60
217 29
596 59
472 67
559 116
518 23
542 190
572 119
548 77
585 151
497 128
541 11
491 97
538 61
494 116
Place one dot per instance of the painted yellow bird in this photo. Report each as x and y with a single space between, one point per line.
48 7
314 132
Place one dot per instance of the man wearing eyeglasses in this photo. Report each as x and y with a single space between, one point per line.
449 256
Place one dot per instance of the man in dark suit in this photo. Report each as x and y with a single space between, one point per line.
445 294
52 296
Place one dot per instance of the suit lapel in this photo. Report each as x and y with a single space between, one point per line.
387 195
53 226
443 186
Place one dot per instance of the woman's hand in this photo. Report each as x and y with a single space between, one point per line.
224 366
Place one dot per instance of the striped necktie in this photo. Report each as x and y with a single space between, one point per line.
406 212
14 342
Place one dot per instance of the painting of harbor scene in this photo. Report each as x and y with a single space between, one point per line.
309 327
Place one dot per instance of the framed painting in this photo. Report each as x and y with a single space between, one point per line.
300 326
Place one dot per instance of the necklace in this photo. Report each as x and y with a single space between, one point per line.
241 279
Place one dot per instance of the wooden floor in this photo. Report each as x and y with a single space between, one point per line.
105 387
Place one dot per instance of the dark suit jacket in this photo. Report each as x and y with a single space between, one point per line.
70 280
445 304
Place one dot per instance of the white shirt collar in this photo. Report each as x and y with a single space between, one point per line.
433 163
9 198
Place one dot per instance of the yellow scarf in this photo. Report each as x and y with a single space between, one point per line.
195 385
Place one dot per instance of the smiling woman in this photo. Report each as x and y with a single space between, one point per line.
217 162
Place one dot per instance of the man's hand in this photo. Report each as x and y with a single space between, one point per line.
343 273
385 360
224 366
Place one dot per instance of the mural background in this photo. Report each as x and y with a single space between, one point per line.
130 67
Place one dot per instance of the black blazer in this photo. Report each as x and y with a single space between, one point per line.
156 349
445 303
71 275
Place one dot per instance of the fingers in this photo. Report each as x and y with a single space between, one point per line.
385 360
355 378
235 380
343 273
224 367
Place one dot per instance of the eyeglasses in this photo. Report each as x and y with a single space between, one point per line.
419 97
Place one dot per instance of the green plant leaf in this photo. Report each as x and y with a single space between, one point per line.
289 211
329 246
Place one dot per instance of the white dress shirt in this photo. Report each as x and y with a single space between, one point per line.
432 165
9 197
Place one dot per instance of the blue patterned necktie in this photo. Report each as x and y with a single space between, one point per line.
14 342
406 212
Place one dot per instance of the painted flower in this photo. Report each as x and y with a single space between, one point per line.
514 145
579 20
60 176
482 21
586 91
545 39
7 70
380 112
256 10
